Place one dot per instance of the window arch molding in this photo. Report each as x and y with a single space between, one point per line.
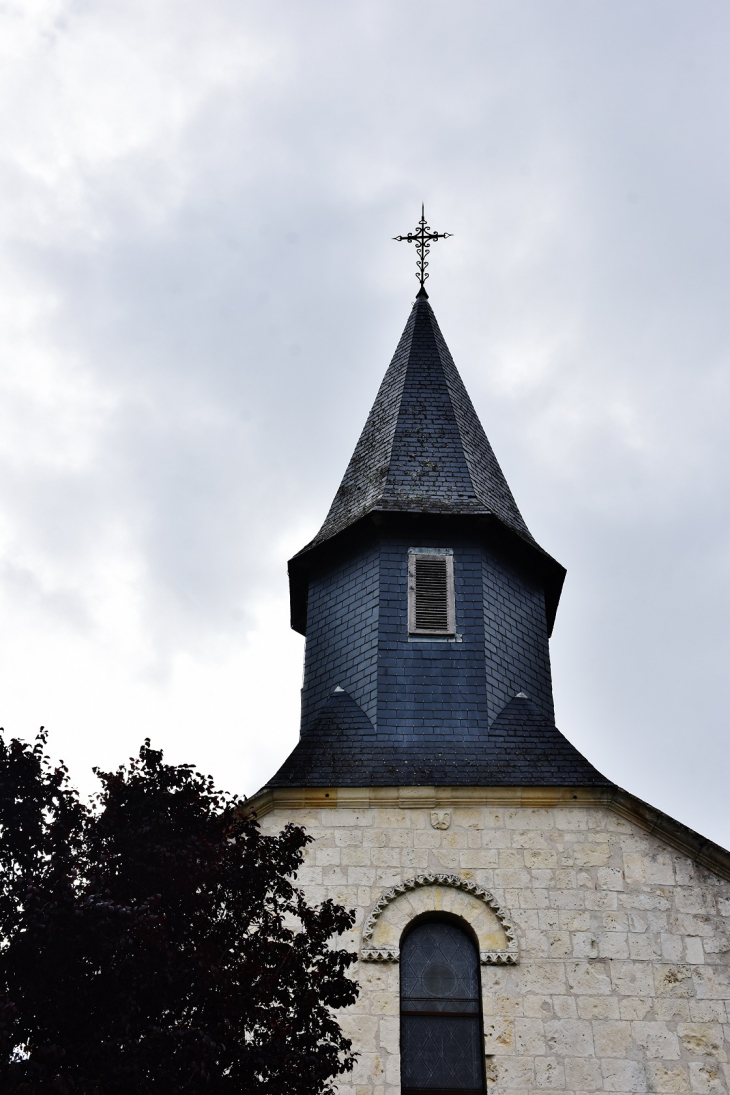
402 904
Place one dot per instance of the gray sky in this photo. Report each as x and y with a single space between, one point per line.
199 296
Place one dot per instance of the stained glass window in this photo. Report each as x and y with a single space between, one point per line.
441 1036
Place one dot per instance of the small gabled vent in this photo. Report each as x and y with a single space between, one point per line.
430 593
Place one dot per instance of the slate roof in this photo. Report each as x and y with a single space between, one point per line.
521 748
423 452
423 449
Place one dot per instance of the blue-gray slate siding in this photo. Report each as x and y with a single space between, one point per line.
429 688
342 634
425 713
522 748
516 650
357 638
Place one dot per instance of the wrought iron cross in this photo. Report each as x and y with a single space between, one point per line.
423 237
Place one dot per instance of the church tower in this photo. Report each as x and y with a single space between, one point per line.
522 922
426 603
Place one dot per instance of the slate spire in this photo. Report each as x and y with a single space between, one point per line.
385 703
423 449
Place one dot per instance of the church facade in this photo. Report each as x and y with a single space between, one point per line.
523 924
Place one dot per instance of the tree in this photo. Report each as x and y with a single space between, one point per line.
156 943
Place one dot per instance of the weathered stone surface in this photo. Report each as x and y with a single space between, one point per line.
642 1010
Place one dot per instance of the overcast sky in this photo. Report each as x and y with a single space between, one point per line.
199 295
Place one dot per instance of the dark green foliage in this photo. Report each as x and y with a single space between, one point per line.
155 943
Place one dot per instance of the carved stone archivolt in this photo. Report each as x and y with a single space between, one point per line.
447 893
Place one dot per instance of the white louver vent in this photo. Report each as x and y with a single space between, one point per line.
430 593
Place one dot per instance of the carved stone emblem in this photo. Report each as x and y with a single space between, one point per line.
440 819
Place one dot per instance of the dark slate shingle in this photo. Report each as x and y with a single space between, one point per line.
521 748
423 449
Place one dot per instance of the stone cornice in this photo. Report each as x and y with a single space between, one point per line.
678 836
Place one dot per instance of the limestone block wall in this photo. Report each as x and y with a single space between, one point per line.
622 978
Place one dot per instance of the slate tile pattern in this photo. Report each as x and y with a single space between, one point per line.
343 633
521 748
381 707
516 649
357 637
422 449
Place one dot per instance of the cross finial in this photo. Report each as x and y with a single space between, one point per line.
423 237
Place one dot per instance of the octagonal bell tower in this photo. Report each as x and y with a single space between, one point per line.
426 603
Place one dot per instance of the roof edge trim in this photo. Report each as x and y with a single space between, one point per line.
551 570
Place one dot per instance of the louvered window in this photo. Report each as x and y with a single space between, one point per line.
431 593
441 1026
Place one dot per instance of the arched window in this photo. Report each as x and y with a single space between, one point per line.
441 1026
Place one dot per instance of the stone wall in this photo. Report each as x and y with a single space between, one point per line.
623 971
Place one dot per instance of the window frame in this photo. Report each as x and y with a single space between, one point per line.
468 931
435 553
